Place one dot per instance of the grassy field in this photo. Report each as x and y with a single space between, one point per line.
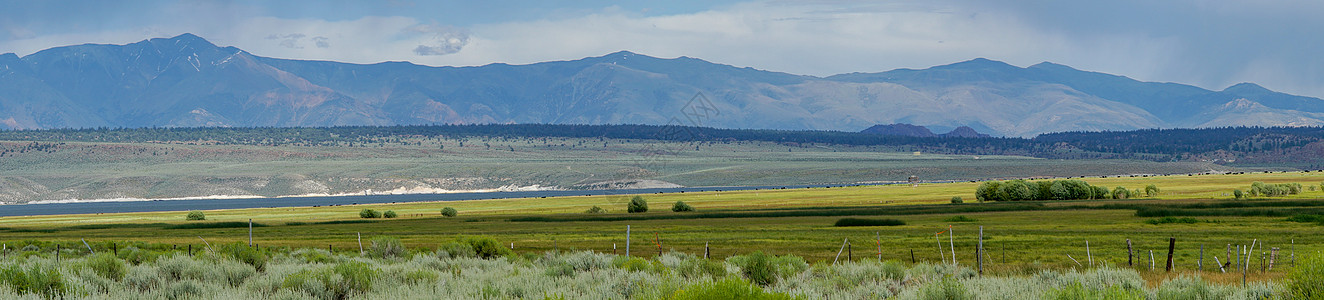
794 221
83 170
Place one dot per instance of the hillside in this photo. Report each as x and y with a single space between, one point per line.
187 81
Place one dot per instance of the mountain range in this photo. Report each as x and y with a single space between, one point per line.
186 81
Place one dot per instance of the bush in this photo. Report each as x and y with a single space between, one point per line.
1018 190
245 254
1238 194
456 249
1121 193
1151 190
107 265
960 219
449 212
369 214
957 200
765 270
729 288
1078 291
947 288
1306 281
485 247
34 280
848 222
339 282
637 205
681 207
595 210
390 214
387 247
1274 190
196 215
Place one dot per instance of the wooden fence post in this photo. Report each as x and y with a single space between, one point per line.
360 243
250 232
705 250
1199 264
627 240
1089 257
1151 260
879 237
912 256
979 251
1172 245
1129 253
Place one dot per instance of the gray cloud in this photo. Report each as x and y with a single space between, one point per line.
321 42
288 40
442 40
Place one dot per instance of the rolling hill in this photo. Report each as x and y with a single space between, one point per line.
186 81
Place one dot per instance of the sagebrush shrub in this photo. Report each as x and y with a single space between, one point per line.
107 265
34 279
449 212
728 288
387 247
195 216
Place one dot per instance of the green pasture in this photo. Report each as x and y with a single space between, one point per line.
791 221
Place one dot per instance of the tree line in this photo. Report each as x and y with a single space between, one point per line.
1021 190
1147 144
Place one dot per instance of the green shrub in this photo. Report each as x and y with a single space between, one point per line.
369 214
728 288
960 219
390 214
245 254
637 205
196 215
1121 193
1238 194
848 222
1077 291
1306 281
456 249
957 200
947 288
680 206
1151 190
449 212
107 265
35 279
485 247
1306 219
595 210
632 264
387 247
136 256
339 282
1274 190
765 270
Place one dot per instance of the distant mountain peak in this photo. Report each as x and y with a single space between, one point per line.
978 63
1047 65
1246 87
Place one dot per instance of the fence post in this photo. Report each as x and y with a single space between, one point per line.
1199 264
1151 260
979 251
1089 257
849 255
250 232
57 253
1172 245
951 240
360 243
1129 253
879 237
705 250
627 240
912 256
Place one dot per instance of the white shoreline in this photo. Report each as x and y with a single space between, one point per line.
397 191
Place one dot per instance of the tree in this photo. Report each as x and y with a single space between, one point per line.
681 207
1121 193
637 205
1151 190
957 200
449 212
390 214
1238 194
369 214
195 216
1016 190
988 191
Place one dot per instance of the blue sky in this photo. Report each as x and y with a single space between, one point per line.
1211 43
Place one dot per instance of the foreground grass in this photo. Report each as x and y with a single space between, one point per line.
458 271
